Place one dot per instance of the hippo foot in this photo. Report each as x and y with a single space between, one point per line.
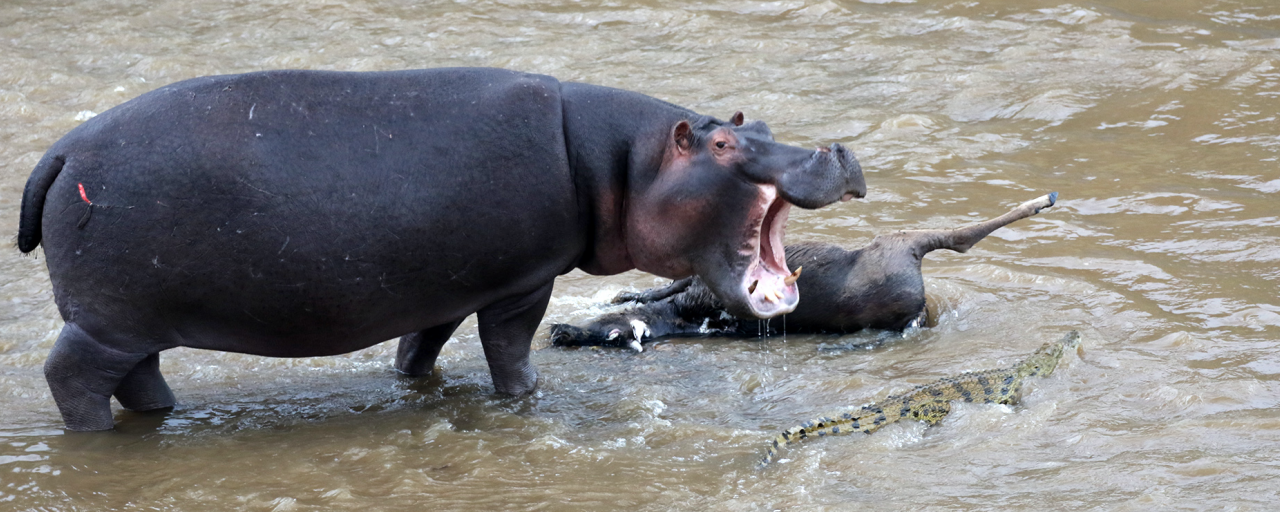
144 388
517 383
86 414
417 353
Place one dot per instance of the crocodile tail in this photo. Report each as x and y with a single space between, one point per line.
867 420
794 435
33 196
779 441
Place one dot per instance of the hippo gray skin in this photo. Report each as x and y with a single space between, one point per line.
877 287
307 213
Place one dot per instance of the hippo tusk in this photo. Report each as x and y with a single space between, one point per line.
791 279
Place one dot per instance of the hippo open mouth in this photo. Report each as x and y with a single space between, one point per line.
769 285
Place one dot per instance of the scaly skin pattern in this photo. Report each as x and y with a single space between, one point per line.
931 402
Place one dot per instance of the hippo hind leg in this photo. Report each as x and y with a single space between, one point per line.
83 373
144 388
416 355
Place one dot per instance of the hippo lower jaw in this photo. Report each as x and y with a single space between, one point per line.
769 286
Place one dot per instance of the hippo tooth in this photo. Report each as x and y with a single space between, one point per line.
635 345
791 279
613 335
752 289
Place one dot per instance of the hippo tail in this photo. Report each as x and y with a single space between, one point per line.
961 239
33 200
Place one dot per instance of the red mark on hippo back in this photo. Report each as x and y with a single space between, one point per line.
83 195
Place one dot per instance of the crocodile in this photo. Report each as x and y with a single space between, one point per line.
931 402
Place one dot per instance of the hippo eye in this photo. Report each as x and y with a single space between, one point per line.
720 144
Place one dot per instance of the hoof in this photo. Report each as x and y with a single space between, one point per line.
624 297
1042 202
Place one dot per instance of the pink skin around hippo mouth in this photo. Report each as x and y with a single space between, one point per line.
769 285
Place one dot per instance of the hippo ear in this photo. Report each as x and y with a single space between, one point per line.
737 118
682 135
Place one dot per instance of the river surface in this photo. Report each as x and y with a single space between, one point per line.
1156 121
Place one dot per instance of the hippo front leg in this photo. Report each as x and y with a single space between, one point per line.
506 333
417 352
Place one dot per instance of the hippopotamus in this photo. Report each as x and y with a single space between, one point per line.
310 213
879 286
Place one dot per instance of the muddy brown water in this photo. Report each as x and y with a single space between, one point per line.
1155 120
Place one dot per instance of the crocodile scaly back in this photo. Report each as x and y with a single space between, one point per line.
931 402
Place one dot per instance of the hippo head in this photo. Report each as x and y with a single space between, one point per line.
718 207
